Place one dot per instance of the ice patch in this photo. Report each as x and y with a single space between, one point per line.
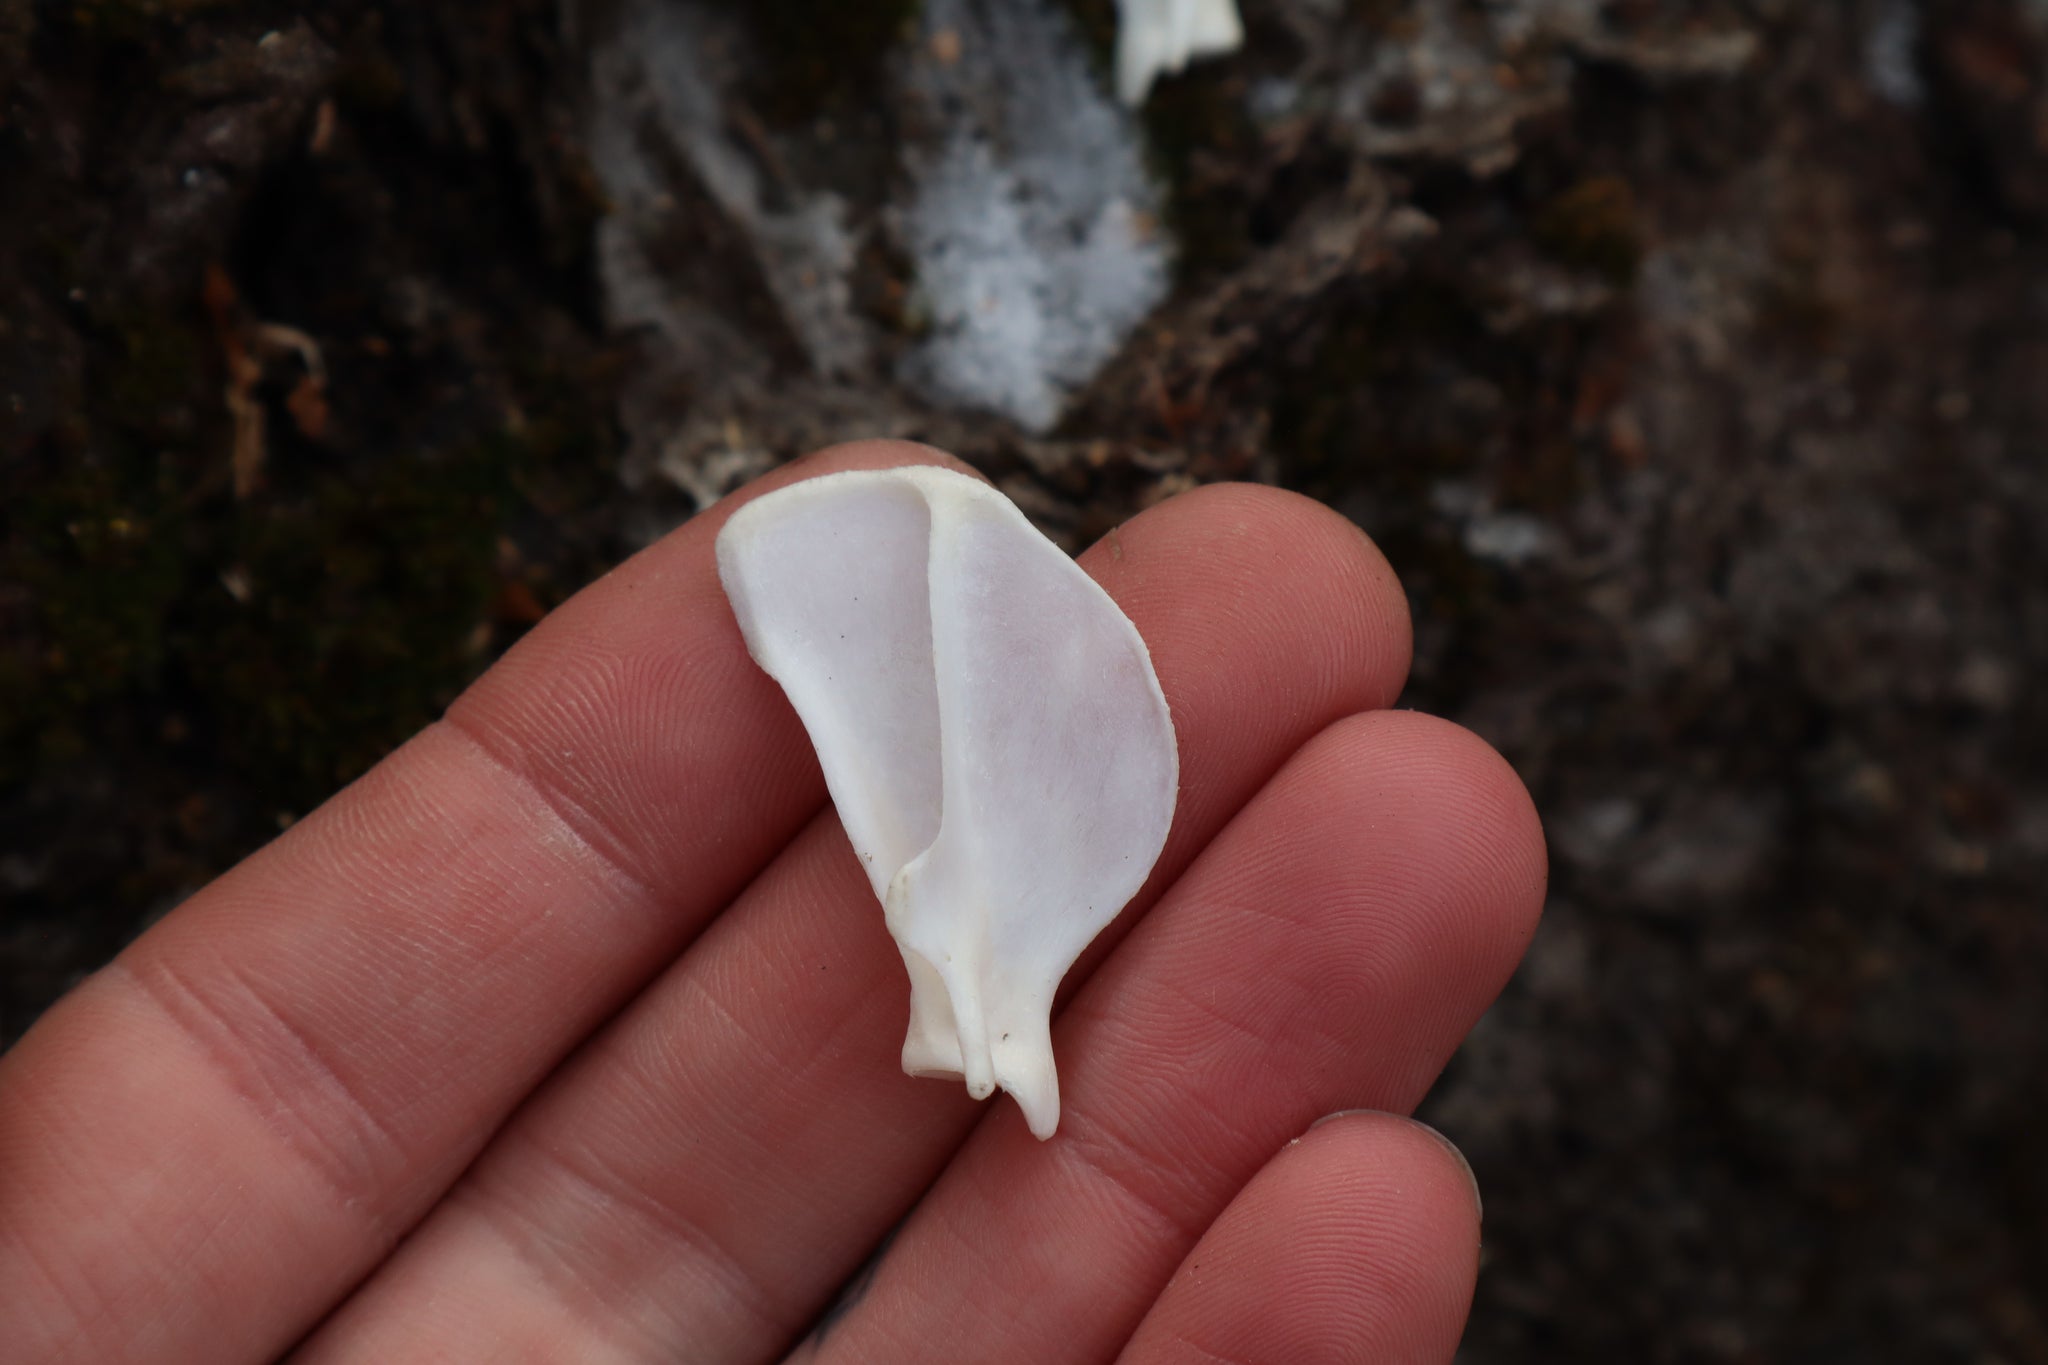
1032 222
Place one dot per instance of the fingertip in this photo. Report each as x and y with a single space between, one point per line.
1273 564
1358 1241
1470 823
1331 565
1505 830
1370 1134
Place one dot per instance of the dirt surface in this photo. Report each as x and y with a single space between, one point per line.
1686 358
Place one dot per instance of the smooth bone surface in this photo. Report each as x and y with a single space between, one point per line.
991 731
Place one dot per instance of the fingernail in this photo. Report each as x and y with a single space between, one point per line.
1478 1203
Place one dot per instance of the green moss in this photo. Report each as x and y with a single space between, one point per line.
370 596
359 601
98 554
159 366
99 543
300 635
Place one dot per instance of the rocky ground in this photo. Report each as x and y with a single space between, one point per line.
1685 355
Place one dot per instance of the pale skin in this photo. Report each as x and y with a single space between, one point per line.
570 1032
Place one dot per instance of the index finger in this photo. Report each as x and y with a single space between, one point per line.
285 1072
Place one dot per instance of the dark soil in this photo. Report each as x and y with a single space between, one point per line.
1688 361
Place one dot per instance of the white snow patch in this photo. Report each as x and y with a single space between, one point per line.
1032 221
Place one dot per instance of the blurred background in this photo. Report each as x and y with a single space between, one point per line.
1689 358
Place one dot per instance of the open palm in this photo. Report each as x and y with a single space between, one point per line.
570 1032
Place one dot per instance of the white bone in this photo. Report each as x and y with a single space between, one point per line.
992 734
1160 37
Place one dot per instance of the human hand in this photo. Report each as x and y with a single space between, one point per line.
570 1032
